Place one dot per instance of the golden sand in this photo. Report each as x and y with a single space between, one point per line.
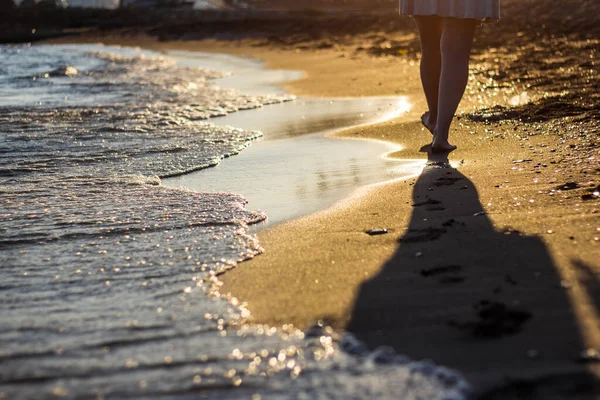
488 268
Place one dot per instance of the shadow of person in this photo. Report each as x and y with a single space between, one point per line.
486 302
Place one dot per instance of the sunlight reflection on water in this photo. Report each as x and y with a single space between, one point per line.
108 278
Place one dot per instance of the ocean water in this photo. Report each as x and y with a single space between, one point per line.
113 4
109 280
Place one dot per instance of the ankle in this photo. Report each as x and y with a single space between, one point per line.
432 118
441 133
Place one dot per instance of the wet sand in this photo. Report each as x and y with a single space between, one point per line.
491 268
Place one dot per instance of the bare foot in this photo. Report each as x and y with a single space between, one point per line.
441 146
426 123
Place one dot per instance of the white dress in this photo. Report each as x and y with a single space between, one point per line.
483 10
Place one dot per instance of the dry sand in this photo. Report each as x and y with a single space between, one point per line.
491 268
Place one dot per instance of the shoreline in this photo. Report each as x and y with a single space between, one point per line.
299 164
297 167
538 245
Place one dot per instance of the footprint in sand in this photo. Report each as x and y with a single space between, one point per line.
494 320
442 271
421 235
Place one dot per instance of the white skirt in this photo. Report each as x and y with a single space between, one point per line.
483 10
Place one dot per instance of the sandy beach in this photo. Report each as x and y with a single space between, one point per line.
490 266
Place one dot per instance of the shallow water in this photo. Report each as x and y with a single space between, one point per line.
108 278
294 169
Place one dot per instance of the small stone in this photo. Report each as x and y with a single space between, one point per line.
377 231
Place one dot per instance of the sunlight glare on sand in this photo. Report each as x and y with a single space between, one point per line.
403 106
520 99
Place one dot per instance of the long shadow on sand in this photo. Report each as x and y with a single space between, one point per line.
486 302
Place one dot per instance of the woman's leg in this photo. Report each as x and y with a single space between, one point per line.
430 31
456 43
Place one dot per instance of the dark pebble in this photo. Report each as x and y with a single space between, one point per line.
568 186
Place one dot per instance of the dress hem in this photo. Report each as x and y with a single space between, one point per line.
479 10
486 20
